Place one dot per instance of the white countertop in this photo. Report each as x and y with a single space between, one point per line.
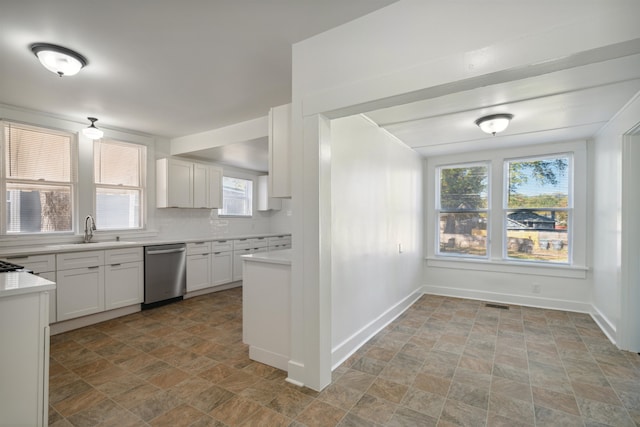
274 257
18 282
81 247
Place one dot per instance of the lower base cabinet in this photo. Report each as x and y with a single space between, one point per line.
123 284
198 272
103 280
80 292
222 267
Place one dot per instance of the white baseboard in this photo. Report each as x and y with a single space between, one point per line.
524 300
604 324
295 373
213 289
270 358
80 322
349 346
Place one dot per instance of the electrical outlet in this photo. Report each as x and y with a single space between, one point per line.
535 288
399 248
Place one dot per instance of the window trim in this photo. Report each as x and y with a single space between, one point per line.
495 263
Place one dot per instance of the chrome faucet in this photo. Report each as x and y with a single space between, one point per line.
89 228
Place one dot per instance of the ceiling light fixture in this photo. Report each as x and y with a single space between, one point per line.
494 123
58 59
92 131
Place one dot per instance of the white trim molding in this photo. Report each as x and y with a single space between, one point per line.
345 349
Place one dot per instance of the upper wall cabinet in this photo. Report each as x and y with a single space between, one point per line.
184 184
265 201
279 151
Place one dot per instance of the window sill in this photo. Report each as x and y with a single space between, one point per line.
499 266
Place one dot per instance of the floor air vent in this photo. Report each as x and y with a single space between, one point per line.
500 306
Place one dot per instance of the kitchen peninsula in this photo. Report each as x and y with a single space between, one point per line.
266 307
24 328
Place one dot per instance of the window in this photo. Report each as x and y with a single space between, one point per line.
538 210
510 210
237 197
119 170
39 179
462 210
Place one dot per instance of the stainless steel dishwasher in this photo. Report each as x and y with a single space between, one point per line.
165 274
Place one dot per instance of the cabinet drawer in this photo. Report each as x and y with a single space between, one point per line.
35 263
222 246
241 244
71 260
260 242
197 248
120 256
279 240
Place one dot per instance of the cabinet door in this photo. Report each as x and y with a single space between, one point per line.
237 262
179 184
51 275
79 292
215 188
200 185
265 201
279 149
198 267
222 267
123 284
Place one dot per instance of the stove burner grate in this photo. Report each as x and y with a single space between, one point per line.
6 266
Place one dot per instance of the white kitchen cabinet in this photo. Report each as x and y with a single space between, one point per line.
80 291
280 151
184 184
124 277
222 267
174 183
246 247
265 201
277 243
215 187
198 266
43 266
24 371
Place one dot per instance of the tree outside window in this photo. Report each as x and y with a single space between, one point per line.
463 210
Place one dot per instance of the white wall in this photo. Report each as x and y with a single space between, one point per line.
376 199
607 226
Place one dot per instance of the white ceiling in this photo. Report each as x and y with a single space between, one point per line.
162 67
563 105
172 69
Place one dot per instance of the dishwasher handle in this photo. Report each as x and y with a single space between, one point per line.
165 251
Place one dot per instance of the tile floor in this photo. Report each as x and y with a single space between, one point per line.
444 362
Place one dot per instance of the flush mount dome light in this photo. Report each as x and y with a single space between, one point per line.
58 59
494 123
92 132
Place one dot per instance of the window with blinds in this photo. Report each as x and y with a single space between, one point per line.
39 179
119 170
